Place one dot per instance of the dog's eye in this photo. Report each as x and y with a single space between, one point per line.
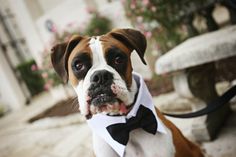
118 60
78 66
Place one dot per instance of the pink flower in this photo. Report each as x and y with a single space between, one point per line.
47 86
117 14
50 82
34 67
132 5
71 24
141 26
123 1
97 30
90 10
145 2
142 10
148 34
54 29
139 19
128 14
44 75
153 8
158 47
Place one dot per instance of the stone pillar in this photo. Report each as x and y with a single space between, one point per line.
199 82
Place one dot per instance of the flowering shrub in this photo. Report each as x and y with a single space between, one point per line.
32 79
51 79
162 20
98 25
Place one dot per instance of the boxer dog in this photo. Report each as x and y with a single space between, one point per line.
115 100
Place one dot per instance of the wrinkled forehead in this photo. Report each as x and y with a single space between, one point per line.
94 44
108 42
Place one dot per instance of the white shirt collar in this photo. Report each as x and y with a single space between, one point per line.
99 122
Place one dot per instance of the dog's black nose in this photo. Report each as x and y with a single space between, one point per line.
101 77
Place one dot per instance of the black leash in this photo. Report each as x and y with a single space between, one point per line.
211 107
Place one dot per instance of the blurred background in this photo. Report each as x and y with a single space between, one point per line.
38 113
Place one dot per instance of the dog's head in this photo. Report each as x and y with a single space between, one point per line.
99 68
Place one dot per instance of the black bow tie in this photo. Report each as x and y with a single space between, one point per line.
144 119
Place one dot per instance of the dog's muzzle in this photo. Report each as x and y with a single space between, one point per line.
101 97
100 89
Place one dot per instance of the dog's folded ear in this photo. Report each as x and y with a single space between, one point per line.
133 39
60 54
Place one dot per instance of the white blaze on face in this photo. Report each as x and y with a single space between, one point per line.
99 63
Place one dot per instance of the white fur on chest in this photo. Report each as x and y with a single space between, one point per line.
141 144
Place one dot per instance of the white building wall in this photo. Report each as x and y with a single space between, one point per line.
67 16
48 5
27 28
10 91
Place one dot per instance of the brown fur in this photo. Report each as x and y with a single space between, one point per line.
183 147
82 47
60 54
133 39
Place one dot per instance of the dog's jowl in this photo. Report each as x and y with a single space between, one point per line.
115 100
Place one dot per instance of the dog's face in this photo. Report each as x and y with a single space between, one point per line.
100 71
